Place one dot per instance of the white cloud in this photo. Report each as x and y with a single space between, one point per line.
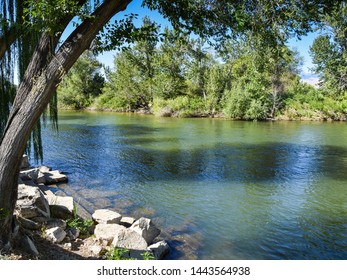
314 81
310 78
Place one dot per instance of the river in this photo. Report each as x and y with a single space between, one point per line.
219 189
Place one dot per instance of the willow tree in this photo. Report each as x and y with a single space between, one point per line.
50 60
48 63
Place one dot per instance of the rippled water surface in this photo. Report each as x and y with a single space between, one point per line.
220 189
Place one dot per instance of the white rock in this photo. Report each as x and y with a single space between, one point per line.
146 229
127 221
31 202
105 216
159 249
105 233
55 177
68 246
29 174
96 249
56 235
44 169
61 206
129 239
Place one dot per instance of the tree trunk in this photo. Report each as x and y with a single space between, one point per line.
28 108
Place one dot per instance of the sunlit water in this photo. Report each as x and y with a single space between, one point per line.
219 189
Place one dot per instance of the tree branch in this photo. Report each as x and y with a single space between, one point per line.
39 60
29 104
8 38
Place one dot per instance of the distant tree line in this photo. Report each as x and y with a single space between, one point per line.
171 74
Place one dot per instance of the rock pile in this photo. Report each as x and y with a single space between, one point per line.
39 210
137 236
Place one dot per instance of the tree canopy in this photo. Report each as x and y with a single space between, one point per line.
329 50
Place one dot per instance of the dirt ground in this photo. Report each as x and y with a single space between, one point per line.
75 250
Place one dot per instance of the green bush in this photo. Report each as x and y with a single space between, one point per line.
181 106
116 254
306 102
84 226
242 104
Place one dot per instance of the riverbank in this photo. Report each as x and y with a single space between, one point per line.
54 226
291 115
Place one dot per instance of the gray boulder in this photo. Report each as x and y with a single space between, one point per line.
52 223
127 221
29 174
131 240
55 177
61 206
28 245
41 179
31 202
105 216
56 234
146 229
28 224
105 233
159 249
25 162
73 233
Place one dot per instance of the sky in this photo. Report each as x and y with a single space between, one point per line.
302 45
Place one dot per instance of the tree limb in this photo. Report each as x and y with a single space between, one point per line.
30 109
8 38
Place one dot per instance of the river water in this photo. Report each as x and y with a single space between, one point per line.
219 189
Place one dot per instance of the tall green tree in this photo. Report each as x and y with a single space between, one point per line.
171 65
125 88
44 72
200 61
82 84
143 56
329 51
260 76
215 85
131 85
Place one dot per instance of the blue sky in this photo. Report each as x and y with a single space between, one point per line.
302 45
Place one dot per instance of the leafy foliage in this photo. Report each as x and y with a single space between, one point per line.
84 226
117 254
147 256
329 51
82 84
124 254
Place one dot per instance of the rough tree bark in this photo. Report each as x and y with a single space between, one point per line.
29 105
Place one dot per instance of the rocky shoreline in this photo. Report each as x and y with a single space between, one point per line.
40 214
